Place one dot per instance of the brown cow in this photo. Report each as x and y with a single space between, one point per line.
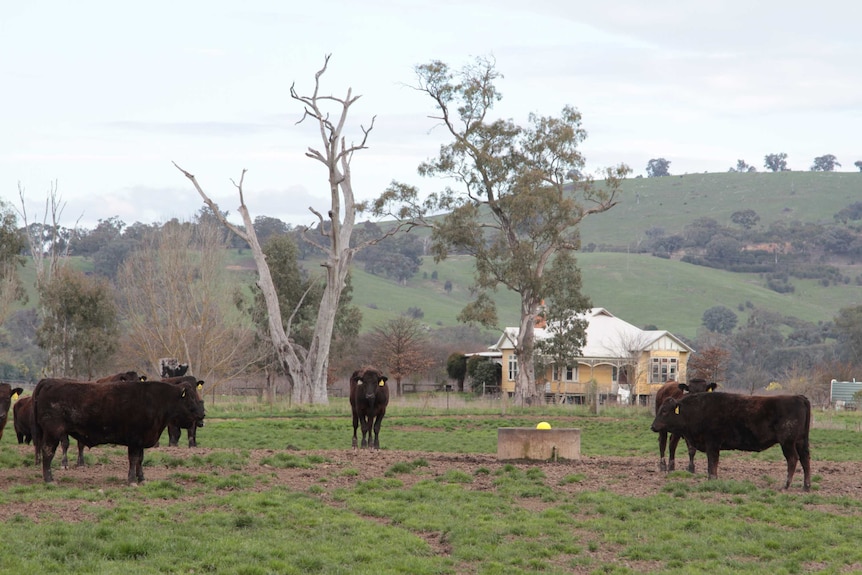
369 396
24 421
175 429
123 376
116 412
715 421
676 390
27 419
6 394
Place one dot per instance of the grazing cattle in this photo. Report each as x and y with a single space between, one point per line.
715 421
7 393
369 396
118 413
178 371
24 421
175 428
676 390
22 418
124 376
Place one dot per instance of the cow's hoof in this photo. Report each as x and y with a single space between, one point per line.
662 466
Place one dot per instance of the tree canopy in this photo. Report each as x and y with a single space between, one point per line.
520 200
776 162
658 167
826 163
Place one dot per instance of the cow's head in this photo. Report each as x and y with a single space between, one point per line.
370 381
191 406
668 416
698 385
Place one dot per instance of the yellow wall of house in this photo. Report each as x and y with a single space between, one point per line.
602 374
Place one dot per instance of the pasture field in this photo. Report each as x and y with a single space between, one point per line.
277 489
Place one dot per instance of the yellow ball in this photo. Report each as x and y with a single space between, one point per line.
543 425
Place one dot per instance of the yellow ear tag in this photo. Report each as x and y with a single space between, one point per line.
381 383
676 411
710 390
200 387
184 393
14 397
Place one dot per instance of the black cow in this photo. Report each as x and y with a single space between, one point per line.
715 421
22 418
6 394
25 422
369 396
118 413
178 371
676 390
123 376
175 428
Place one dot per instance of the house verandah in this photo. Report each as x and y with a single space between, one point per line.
618 362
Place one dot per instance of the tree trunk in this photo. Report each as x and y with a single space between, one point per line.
525 386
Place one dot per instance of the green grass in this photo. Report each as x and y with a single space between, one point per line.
214 514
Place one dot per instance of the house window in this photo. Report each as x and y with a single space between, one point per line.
568 373
513 367
663 369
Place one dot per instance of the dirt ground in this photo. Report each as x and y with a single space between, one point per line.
633 476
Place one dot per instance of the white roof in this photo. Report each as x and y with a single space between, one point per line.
607 337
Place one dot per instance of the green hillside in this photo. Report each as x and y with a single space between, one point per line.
673 202
638 288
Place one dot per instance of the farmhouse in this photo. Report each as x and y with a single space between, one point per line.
618 361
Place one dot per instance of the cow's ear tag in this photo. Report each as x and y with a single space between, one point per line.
15 396
710 390
676 411
381 383
184 393
200 387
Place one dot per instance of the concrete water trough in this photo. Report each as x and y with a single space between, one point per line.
538 444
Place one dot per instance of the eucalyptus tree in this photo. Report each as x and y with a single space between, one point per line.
308 366
12 244
80 323
520 200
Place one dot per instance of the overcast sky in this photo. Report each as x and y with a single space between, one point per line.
101 96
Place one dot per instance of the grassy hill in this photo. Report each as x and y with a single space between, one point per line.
640 288
647 290
675 201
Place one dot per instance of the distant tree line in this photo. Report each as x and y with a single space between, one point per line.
776 162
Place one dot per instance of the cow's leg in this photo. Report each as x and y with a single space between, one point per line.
192 433
49 448
80 462
377 421
712 462
804 453
365 420
355 425
662 445
671 451
792 457
173 435
136 471
692 450
64 445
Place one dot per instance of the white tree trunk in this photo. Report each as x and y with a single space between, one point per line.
525 386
